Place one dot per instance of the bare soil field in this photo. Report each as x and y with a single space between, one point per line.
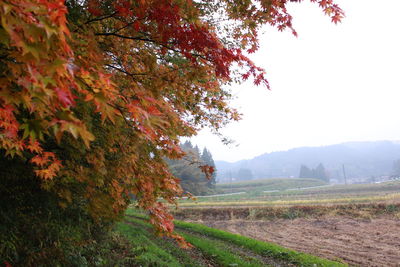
360 234
356 241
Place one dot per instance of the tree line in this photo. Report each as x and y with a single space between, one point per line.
319 172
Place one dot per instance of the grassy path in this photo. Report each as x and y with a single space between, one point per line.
155 251
212 252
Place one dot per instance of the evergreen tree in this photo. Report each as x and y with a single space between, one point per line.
320 173
187 169
305 172
187 146
207 158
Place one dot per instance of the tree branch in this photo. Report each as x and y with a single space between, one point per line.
101 18
138 38
125 72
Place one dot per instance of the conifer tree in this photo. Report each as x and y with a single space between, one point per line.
207 158
320 173
188 170
305 172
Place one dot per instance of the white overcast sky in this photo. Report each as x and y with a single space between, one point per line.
332 84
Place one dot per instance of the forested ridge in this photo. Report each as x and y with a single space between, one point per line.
361 160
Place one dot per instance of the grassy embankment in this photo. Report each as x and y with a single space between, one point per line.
302 192
212 247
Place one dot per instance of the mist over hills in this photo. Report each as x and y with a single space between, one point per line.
362 161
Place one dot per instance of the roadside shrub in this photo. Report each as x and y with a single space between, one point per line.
292 213
35 231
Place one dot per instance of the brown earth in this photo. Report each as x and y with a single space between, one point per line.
360 242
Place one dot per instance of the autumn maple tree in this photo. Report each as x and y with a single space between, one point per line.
96 94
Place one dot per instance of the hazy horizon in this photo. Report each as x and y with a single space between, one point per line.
316 146
332 84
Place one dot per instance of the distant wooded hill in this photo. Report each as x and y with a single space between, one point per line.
362 160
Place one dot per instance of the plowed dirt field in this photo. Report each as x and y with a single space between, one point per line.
360 242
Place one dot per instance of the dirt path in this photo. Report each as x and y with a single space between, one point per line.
359 242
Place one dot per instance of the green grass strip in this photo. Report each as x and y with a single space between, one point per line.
221 255
149 254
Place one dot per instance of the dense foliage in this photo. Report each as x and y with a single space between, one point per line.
188 170
95 94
